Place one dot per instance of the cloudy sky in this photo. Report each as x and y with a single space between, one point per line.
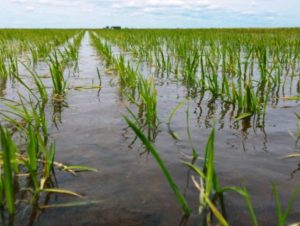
149 13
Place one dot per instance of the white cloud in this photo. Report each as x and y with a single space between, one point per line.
154 12
64 3
18 1
30 8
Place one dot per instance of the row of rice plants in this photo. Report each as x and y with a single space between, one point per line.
137 89
27 150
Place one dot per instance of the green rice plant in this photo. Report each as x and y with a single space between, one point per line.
247 99
48 160
211 193
41 88
20 114
210 190
180 198
212 79
214 209
157 59
202 74
250 103
13 69
127 75
8 151
15 161
148 104
172 114
194 152
262 59
32 153
34 55
103 49
3 69
190 70
282 215
71 51
163 61
57 75
162 57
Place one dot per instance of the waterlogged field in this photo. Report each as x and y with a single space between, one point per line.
150 127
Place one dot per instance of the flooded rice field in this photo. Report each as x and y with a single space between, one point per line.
122 182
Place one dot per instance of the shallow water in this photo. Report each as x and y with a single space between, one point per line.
130 187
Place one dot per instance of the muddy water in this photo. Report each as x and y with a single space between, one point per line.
130 188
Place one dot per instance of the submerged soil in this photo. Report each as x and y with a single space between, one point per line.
129 187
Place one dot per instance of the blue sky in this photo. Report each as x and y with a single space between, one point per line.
149 13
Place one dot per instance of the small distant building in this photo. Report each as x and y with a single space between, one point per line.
113 27
116 28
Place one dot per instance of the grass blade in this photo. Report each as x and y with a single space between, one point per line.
182 201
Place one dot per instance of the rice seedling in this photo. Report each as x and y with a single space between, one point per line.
190 69
20 114
209 187
34 55
180 198
211 194
103 49
282 215
173 112
13 69
194 152
148 105
8 150
71 51
57 75
127 75
37 160
40 86
3 70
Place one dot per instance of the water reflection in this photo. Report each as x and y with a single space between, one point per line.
2 87
57 109
30 204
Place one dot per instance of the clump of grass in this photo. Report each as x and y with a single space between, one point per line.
172 114
180 198
19 114
8 149
148 104
211 194
57 75
103 49
40 86
282 215
127 75
13 68
3 70
36 161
